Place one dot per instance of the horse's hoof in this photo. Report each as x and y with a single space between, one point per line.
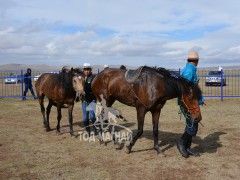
58 132
128 149
158 150
48 129
116 144
101 141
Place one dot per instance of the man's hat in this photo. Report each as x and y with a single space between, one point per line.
87 66
106 66
193 56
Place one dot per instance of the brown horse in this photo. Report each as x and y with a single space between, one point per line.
147 89
60 89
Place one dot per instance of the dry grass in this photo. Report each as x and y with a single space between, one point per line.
28 152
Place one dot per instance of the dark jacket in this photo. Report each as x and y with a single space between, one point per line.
89 96
27 77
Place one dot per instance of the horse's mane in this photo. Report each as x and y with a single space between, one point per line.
179 83
66 69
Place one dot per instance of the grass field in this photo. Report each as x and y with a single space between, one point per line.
28 152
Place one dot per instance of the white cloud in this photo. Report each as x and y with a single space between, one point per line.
142 32
235 50
79 36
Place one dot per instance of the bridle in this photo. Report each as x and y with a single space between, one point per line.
189 109
187 114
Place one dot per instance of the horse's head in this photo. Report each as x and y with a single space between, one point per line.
190 103
77 81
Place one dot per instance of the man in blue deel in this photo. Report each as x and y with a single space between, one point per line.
189 72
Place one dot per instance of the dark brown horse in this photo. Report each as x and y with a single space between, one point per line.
60 89
147 89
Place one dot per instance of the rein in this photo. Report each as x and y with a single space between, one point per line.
138 97
186 115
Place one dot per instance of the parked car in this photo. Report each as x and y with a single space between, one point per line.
214 78
174 73
13 79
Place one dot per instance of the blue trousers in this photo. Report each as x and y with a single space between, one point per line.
28 86
86 113
191 128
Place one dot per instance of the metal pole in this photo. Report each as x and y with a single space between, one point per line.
22 83
221 85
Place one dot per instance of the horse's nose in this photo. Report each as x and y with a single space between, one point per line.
80 93
198 119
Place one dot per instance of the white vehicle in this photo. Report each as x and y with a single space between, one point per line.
13 79
214 78
36 77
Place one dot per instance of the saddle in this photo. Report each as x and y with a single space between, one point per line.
132 75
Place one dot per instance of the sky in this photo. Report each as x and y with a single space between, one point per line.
134 33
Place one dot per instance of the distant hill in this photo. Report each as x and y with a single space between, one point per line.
18 67
46 68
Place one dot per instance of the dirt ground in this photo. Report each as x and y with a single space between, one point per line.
28 152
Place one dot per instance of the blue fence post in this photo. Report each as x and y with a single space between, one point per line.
179 71
22 84
221 85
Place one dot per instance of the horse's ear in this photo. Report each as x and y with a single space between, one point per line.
72 69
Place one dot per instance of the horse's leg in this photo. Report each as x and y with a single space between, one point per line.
70 109
59 117
50 103
97 123
140 116
155 120
98 114
41 99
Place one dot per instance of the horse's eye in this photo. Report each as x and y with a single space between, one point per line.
189 98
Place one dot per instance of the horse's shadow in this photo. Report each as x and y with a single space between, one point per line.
168 140
81 125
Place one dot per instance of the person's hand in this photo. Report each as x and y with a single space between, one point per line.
77 99
83 98
204 104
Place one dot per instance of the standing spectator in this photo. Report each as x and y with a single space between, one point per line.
88 98
28 83
189 72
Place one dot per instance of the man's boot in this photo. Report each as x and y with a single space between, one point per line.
188 145
33 94
24 95
181 145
